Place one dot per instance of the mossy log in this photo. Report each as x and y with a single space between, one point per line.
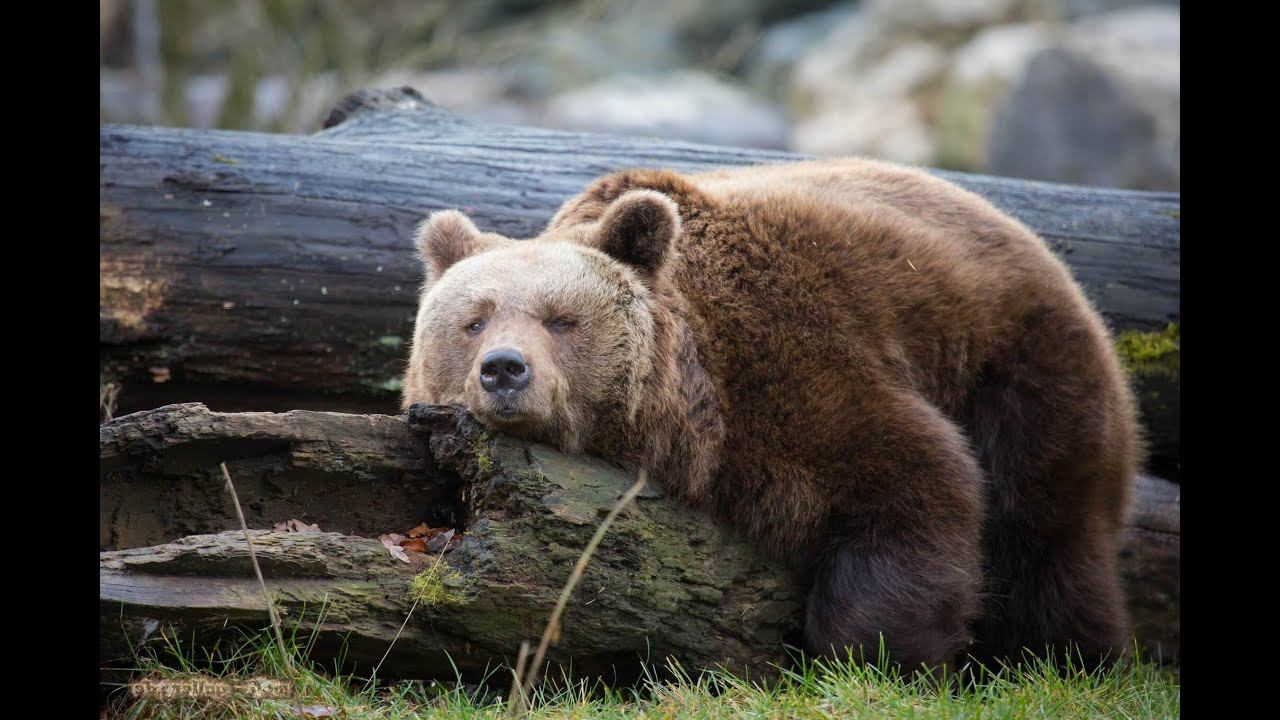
666 581
254 271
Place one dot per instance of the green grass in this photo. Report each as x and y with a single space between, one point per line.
813 689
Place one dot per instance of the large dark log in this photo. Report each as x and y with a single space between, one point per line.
274 272
666 580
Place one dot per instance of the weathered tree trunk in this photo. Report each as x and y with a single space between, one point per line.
666 581
275 272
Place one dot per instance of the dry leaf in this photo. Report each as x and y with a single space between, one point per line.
296 525
393 547
422 539
442 541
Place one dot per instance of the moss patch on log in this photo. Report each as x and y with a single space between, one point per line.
1151 353
435 585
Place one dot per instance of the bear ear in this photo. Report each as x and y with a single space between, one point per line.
639 229
446 237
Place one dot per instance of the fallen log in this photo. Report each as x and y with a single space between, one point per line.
666 581
275 272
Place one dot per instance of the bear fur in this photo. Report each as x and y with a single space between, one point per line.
884 379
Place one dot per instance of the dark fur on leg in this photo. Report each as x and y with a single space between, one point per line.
865 594
1055 436
898 565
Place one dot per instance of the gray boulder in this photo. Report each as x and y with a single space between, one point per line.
1104 110
1069 120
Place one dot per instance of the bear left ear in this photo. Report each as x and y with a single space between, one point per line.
639 228
445 238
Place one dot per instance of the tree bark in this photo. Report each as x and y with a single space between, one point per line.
666 581
275 272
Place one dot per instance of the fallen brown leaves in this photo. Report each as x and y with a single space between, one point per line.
296 526
420 541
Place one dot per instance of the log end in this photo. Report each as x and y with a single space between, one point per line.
368 100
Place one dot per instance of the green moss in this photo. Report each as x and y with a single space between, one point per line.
480 447
1150 353
434 585
391 341
225 160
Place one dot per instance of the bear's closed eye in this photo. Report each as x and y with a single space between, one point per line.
561 325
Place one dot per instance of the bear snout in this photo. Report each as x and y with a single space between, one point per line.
504 372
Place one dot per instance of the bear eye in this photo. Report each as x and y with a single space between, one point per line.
560 325
475 327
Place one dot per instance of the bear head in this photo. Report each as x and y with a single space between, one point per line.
550 338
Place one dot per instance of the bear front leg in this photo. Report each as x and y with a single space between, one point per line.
901 559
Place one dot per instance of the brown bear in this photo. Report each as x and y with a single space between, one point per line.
883 378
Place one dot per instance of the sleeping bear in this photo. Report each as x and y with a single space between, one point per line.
886 381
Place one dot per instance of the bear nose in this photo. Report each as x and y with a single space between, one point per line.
504 369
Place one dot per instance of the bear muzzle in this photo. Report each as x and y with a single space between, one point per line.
504 373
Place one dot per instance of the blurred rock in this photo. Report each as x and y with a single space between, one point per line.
979 77
874 113
1139 45
1075 9
119 92
684 105
874 84
832 62
204 95
1070 121
888 129
941 16
998 53
853 98
1104 109
571 54
583 42
770 59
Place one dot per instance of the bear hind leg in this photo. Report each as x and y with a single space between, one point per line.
868 601
901 561
1066 606
1056 436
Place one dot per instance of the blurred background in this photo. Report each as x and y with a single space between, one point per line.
1078 91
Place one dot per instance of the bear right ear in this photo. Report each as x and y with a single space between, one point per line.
639 229
446 237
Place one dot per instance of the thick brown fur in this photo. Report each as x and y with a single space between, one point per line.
879 375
